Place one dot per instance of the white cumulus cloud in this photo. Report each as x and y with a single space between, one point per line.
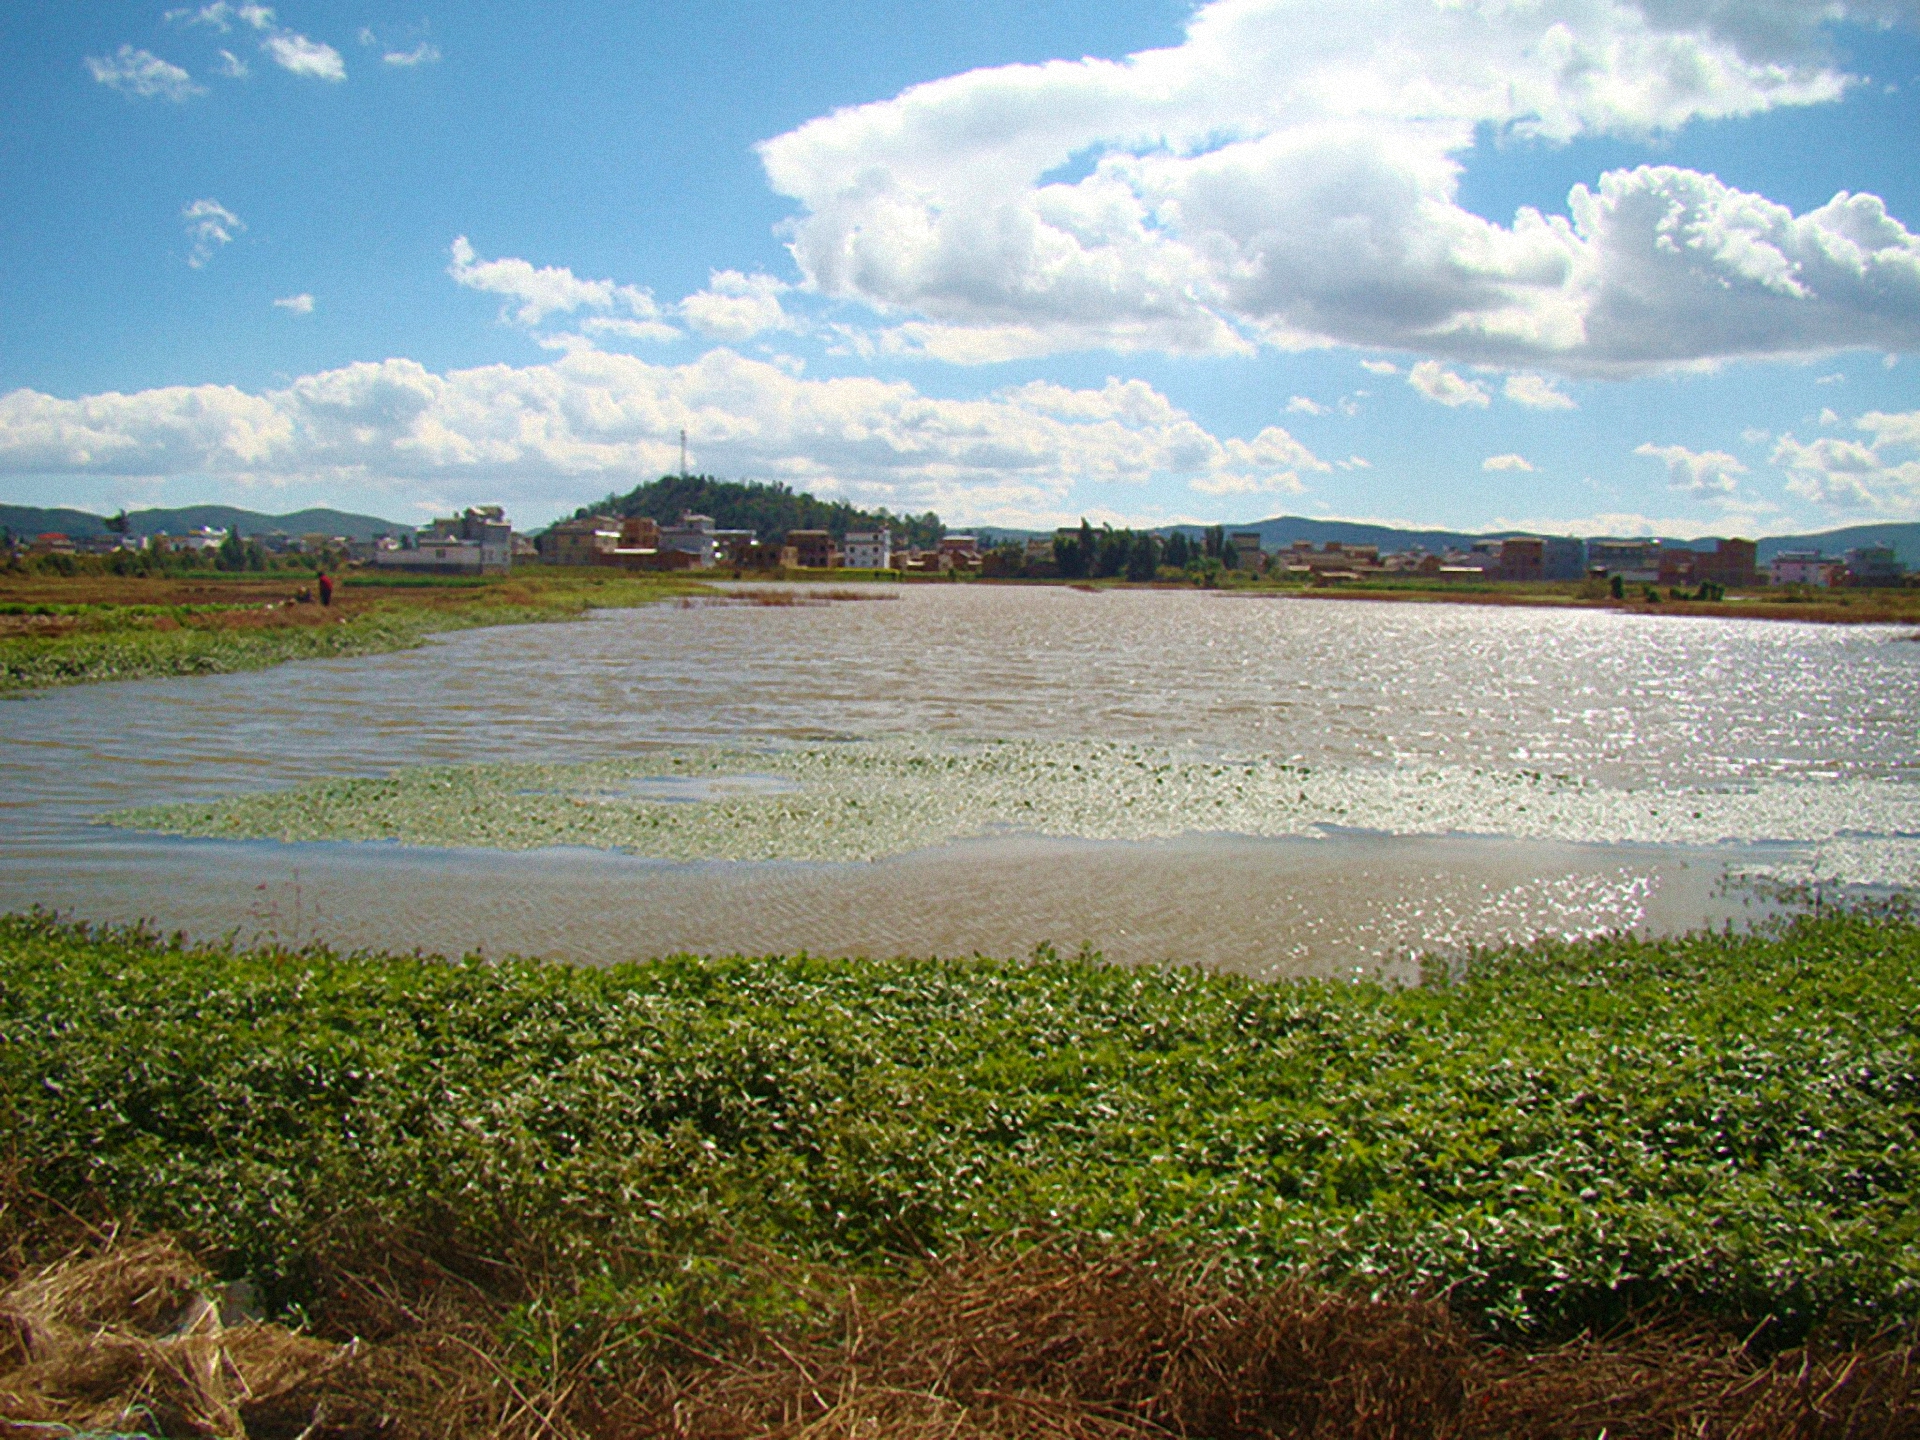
301 56
209 226
421 54
301 304
557 432
1710 473
1301 405
554 290
1235 483
140 72
735 306
1879 475
1506 462
1380 367
1537 393
1443 387
1288 176
221 15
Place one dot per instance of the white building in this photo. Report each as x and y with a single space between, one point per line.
478 542
205 539
694 536
1804 567
867 550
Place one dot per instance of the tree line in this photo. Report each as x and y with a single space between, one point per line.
1107 553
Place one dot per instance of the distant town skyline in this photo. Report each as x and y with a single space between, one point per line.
1572 266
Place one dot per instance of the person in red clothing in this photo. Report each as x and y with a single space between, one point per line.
326 588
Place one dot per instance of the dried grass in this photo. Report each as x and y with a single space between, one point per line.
1040 1343
782 599
131 1338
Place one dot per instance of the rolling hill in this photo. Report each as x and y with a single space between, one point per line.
26 520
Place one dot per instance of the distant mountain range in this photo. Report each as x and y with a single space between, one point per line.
1276 533
1283 530
25 520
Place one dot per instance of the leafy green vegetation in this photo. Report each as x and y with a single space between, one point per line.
1548 1137
62 630
862 800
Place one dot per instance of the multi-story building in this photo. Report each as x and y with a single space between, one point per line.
959 552
696 535
579 542
867 550
1731 563
1637 560
1300 558
1875 565
812 549
1247 554
1522 557
479 541
1678 564
1806 567
1563 557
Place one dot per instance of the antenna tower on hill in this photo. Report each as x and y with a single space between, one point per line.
683 454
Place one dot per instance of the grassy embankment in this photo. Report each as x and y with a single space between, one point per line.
63 630
958 1198
1834 607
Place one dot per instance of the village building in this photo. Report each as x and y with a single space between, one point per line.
1521 558
1875 565
579 541
479 541
958 552
1563 557
1300 561
867 550
809 550
697 536
1635 560
1806 567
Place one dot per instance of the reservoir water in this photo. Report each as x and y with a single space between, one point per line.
1271 785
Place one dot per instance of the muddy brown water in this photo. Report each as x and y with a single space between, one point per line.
1610 700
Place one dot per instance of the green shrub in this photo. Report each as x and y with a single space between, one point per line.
1550 1137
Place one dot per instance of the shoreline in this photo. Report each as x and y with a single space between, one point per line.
57 631
85 629
1744 606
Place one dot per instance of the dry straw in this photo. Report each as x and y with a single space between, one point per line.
1006 1343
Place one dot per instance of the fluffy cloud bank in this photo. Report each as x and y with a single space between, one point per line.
736 306
1713 474
537 293
591 421
1288 176
1878 476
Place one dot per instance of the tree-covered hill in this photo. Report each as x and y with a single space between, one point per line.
769 509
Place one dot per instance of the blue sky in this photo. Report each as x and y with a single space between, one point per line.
1565 264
